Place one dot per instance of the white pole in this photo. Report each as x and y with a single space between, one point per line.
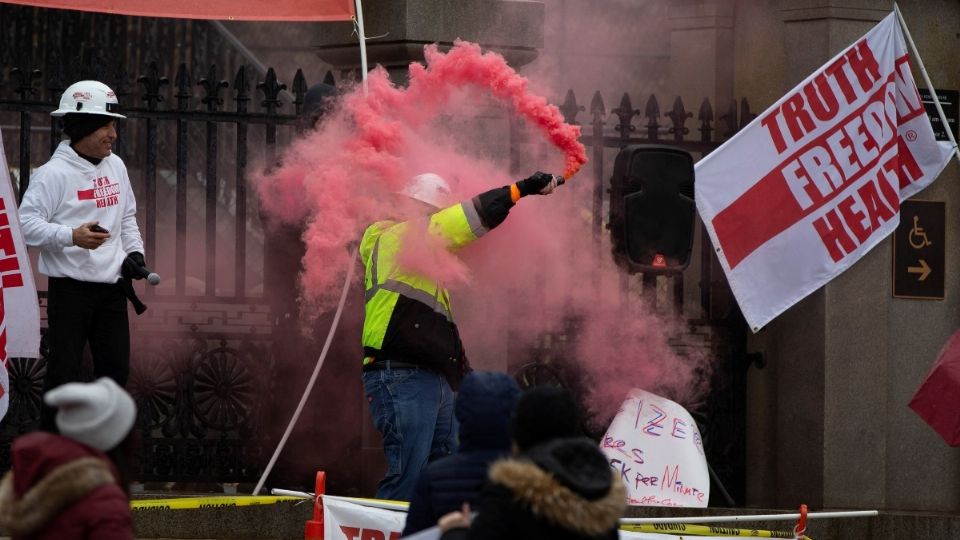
759 517
926 80
289 493
397 506
313 377
361 34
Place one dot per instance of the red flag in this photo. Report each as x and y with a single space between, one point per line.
937 400
226 10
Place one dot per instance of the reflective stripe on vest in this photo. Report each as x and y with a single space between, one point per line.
402 288
473 219
456 226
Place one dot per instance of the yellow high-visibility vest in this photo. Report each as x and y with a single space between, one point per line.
385 282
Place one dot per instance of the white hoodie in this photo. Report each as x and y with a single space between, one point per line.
68 191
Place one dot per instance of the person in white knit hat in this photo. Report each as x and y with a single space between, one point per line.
65 486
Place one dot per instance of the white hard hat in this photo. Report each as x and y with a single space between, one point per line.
88 97
428 188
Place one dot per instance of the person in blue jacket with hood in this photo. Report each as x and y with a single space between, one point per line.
483 408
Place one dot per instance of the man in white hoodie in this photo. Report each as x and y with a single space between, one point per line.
80 211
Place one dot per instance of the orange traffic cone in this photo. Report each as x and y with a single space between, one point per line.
314 528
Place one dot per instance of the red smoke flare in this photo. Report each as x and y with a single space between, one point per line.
465 64
340 178
540 268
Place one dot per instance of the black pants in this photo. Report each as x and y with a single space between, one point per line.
78 313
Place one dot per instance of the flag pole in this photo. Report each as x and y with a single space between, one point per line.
362 36
313 376
926 80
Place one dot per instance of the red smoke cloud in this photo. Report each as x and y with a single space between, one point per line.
464 64
540 268
341 177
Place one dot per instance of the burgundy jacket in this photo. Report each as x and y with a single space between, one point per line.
61 489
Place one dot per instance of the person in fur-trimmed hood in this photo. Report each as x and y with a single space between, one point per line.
556 486
65 487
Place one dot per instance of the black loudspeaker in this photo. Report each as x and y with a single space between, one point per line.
652 212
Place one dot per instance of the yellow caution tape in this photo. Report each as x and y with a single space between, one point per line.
704 530
226 501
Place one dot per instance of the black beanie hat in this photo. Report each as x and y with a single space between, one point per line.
544 413
77 126
317 101
577 463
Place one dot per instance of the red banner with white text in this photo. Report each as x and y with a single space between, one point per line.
225 10
346 518
816 181
19 309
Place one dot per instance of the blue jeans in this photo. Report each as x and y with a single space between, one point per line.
413 410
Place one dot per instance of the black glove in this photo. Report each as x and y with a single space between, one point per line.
134 266
540 183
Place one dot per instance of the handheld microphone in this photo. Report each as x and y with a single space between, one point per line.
151 277
142 272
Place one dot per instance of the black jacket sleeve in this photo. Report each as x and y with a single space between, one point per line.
493 206
496 518
455 534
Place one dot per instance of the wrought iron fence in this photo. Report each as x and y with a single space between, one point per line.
202 370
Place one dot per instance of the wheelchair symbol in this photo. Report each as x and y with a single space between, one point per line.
918 238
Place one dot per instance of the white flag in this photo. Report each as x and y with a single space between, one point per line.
4 378
346 518
816 181
20 320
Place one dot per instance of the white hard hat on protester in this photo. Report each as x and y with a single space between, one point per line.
428 188
88 97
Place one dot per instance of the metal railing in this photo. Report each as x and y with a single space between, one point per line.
202 369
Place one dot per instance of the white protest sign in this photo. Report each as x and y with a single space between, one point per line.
19 334
655 447
346 519
16 276
816 181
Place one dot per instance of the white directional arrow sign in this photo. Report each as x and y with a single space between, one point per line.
923 270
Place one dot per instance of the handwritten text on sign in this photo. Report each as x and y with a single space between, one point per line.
655 447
